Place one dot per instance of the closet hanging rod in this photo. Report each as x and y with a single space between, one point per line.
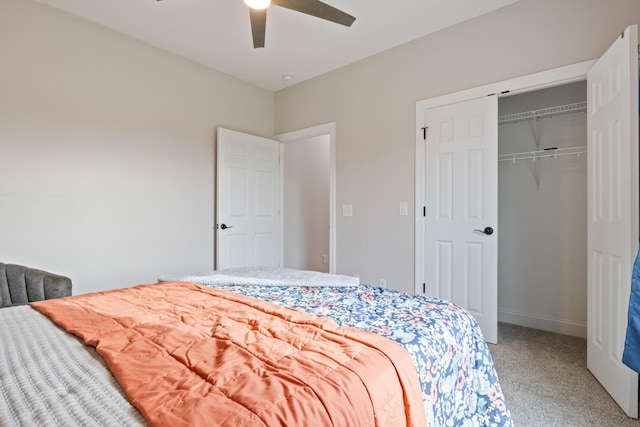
544 112
534 155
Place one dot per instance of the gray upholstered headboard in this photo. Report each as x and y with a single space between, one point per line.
20 285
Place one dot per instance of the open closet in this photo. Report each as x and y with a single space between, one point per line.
542 273
542 209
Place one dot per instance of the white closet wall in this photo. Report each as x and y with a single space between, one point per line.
542 267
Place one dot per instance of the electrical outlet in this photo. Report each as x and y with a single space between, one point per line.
383 283
325 259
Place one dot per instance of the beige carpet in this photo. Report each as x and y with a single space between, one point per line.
545 380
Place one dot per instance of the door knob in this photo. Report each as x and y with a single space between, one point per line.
487 230
225 226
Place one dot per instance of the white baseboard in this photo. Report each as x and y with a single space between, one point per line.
560 326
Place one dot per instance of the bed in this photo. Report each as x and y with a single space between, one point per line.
50 377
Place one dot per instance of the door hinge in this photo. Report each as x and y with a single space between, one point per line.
424 132
424 211
424 288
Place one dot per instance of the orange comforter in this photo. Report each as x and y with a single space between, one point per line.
191 355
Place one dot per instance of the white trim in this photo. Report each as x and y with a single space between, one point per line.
324 129
551 324
528 83
281 207
541 80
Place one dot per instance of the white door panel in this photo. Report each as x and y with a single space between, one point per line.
248 199
461 186
612 97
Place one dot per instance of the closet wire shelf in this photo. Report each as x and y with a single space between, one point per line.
536 114
535 155
544 112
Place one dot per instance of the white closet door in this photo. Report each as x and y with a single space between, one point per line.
461 183
612 214
248 230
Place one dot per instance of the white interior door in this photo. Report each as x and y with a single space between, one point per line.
461 194
248 232
612 214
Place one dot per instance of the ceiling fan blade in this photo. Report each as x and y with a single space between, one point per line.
258 26
318 9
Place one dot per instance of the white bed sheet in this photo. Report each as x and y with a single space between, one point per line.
263 276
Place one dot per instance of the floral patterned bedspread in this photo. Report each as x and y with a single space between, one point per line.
459 383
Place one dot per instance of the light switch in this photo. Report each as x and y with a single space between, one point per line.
404 208
347 210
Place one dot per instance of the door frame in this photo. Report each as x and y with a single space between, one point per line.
541 80
307 133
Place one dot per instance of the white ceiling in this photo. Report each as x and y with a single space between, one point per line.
217 33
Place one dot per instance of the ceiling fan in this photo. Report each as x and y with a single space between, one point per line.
258 14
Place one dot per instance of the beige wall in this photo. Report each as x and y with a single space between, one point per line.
107 150
107 144
373 104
